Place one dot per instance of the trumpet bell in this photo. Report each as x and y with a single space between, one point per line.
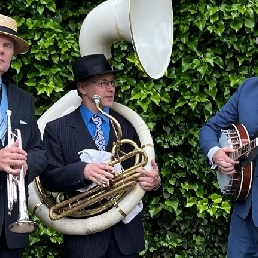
23 226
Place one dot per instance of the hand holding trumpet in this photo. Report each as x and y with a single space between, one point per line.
12 159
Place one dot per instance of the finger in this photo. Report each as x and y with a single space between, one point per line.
228 172
18 151
225 170
16 163
13 171
154 165
15 144
96 181
141 170
98 177
100 180
226 163
227 149
106 167
98 173
145 186
145 179
25 168
154 174
14 153
21 157
16 172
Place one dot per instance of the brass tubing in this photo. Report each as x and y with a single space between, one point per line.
122 186
111 193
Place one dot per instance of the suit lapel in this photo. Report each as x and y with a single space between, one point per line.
82 136
13 100
80 132
112 136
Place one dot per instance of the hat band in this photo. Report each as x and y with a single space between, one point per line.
7 30
95 70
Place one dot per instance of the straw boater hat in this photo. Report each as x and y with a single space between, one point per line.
8 27
87 66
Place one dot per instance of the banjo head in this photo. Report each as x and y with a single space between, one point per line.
223 181
237 184
227 139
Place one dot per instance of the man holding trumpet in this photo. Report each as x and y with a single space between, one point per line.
30 159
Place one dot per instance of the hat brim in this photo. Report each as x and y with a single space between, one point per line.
73 85
21 45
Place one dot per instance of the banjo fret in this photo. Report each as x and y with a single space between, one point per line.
242 150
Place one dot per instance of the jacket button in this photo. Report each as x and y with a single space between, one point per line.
1 187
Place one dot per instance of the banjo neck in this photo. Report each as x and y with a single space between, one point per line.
243 149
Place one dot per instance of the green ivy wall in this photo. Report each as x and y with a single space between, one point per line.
214 49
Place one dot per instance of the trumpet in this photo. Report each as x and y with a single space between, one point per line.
16 186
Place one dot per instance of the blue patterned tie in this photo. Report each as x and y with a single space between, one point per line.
99 136
3 127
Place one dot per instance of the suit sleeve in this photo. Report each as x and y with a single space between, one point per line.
209 134
36 159
59 176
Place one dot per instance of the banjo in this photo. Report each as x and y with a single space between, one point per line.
238 184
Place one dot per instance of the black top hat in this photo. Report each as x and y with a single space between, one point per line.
86 66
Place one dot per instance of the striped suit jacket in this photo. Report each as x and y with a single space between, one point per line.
64 138
21 104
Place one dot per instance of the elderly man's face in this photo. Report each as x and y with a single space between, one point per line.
6 53
102 85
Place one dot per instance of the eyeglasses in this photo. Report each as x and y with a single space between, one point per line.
105 84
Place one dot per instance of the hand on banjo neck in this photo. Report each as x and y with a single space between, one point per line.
224 163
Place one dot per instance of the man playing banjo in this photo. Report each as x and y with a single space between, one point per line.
240 111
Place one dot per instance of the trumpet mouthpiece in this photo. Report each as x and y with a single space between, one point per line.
96 99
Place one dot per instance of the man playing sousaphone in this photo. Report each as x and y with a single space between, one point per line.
88 129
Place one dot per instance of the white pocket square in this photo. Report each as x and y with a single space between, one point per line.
22 122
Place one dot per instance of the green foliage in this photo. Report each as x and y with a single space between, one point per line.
214 50
44 242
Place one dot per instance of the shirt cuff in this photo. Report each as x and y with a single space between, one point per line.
210 156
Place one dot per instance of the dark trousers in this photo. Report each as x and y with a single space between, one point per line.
243 237
113 251
73 251
5 252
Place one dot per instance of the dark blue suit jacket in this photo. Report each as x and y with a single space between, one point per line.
241 108
21 104
64 138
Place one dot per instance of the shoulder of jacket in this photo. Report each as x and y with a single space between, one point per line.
64 119
16 88
116 115
250 81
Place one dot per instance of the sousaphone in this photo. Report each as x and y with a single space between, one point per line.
148 24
